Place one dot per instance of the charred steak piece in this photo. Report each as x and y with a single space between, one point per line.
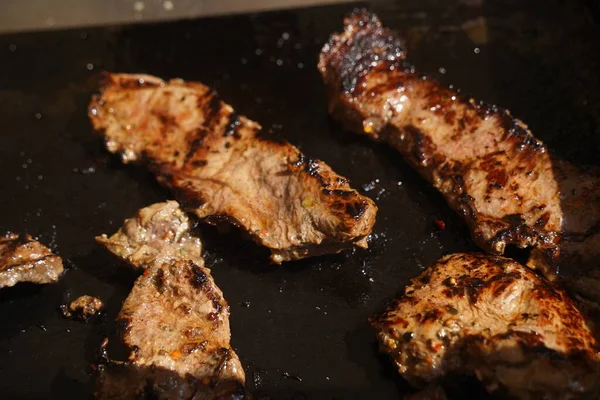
157 234
487 164
23 259
471 313
175 321
223 166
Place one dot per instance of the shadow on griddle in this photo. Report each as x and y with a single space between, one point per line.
374 363
63 386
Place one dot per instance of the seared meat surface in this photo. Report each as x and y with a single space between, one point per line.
23 259
224 166
490 316
487 164
175 320
83 308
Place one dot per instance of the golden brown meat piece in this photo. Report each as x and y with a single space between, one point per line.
487 164
224 166
83 308
23 259
175 321
492 317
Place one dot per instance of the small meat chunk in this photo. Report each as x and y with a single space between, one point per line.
23 259
156 234
83 308
494 318
225 167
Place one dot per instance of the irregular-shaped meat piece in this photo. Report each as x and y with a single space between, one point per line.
488 315
23 259
223 166
83 308
487 164
155 235
175 321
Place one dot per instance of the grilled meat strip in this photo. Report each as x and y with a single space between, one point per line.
223 166
175 320
23 259
487 164
488 315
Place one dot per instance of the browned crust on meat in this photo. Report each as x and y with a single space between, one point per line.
199 147
489 316
488 165
23 259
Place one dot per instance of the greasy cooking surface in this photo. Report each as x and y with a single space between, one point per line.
307 318
224 167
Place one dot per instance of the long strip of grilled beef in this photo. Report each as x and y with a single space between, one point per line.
23 259
175 321
520 334
489 167
224 166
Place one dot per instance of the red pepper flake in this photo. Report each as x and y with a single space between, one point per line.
441 225
436 347
146 272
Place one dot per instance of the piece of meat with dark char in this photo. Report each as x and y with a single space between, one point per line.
23 259
518 333
222 166
175 321
489 167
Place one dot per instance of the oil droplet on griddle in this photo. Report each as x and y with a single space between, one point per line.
89 66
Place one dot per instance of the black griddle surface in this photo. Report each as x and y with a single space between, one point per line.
300 328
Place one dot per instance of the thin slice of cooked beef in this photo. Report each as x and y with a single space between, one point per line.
23 259
175 321
520 334
492 171
222 166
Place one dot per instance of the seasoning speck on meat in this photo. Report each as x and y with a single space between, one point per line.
175 321
224 167
23 259
489 316
83 308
